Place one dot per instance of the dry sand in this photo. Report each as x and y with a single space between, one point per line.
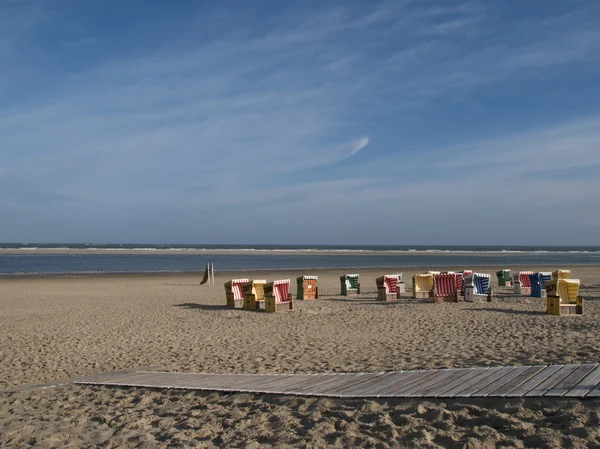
54 328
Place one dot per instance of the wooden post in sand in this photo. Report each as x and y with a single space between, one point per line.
209 275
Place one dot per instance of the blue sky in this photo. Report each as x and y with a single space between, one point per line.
332 122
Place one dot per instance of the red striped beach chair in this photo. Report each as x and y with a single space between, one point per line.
445 287
278 296
387 287
525 281
233 292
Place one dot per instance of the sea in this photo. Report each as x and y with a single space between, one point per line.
180 258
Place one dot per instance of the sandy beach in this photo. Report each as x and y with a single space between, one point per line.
59 327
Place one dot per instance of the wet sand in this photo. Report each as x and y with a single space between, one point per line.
54 328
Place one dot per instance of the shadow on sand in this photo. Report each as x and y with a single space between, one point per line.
515 312
191 305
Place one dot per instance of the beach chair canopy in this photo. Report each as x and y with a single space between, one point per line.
566 289
351 280
423 282
254 287
480 283
561 274
235 286
540 278
504 275
279 289
446 284
525 278
301 279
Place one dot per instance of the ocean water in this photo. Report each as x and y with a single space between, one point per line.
225 260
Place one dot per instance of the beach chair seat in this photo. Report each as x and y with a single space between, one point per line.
446 287
307 287
254 294
278 296
422 285
234 294
349 284
387 287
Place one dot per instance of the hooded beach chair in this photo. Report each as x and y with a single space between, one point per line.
461 281
234 293
477 285
387 287
254 294
562 297
349 284
446 287
504 278
561 274
278 296
538 281
422 285
307 287
522 282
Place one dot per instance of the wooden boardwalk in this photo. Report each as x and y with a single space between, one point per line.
573 381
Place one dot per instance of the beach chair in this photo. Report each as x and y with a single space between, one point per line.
562 297
234 293
254 294
445 287
538 281
477 286
461 281
422 285
504 278
523 283
349 284
278 296
561 274
307 287
387 287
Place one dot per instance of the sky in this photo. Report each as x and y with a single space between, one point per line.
300 122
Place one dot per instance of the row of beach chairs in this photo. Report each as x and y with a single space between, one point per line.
560 290
258 294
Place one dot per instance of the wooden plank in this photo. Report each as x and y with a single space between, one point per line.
132 379
595 393
455 375
551 381
585 385
481 374
355 385
570 381
369 386
533 382
524 375
416 382
392 383
509 375
434 382
346 384
484 382
472 372
294 382
308 381
318 388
